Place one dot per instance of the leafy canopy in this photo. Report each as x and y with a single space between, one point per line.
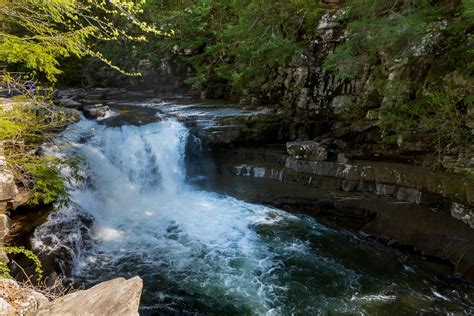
35 33
236 41
34 36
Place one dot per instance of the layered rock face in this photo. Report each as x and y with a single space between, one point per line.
307 88
403 204
344 170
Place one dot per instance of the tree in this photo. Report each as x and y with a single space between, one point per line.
35 33
237 42
34 36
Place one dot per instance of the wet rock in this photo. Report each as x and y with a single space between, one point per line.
69 93
342 158
307 150
96 111
409 195
422 220
463 213
115 297
424 186
69 103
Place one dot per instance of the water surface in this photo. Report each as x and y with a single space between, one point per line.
207 253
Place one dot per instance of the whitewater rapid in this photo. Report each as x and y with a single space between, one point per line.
200 252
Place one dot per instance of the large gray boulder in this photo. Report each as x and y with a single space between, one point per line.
114 297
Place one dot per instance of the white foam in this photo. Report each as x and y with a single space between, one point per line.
142 207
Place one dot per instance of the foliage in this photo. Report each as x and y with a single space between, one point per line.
376 28
34 36
240 42
5 271
28 121
439 119
35 33
425 100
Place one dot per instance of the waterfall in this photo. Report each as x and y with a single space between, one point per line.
146 215
201 252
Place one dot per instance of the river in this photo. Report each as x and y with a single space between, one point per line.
201 252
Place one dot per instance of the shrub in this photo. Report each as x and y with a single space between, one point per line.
5 270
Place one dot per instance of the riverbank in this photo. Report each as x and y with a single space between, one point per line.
401 203
142 210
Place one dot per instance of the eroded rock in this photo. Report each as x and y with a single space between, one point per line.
463 213
69 103
114 297
96 111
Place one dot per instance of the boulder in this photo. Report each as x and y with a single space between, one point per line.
8 189
342 158
96 111
69 103
307 150
20 300
72 115
6 308
114 297
4 229
69 93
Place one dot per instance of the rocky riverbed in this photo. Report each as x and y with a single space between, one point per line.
254 153
399 202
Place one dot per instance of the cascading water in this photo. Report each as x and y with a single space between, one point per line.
200 252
